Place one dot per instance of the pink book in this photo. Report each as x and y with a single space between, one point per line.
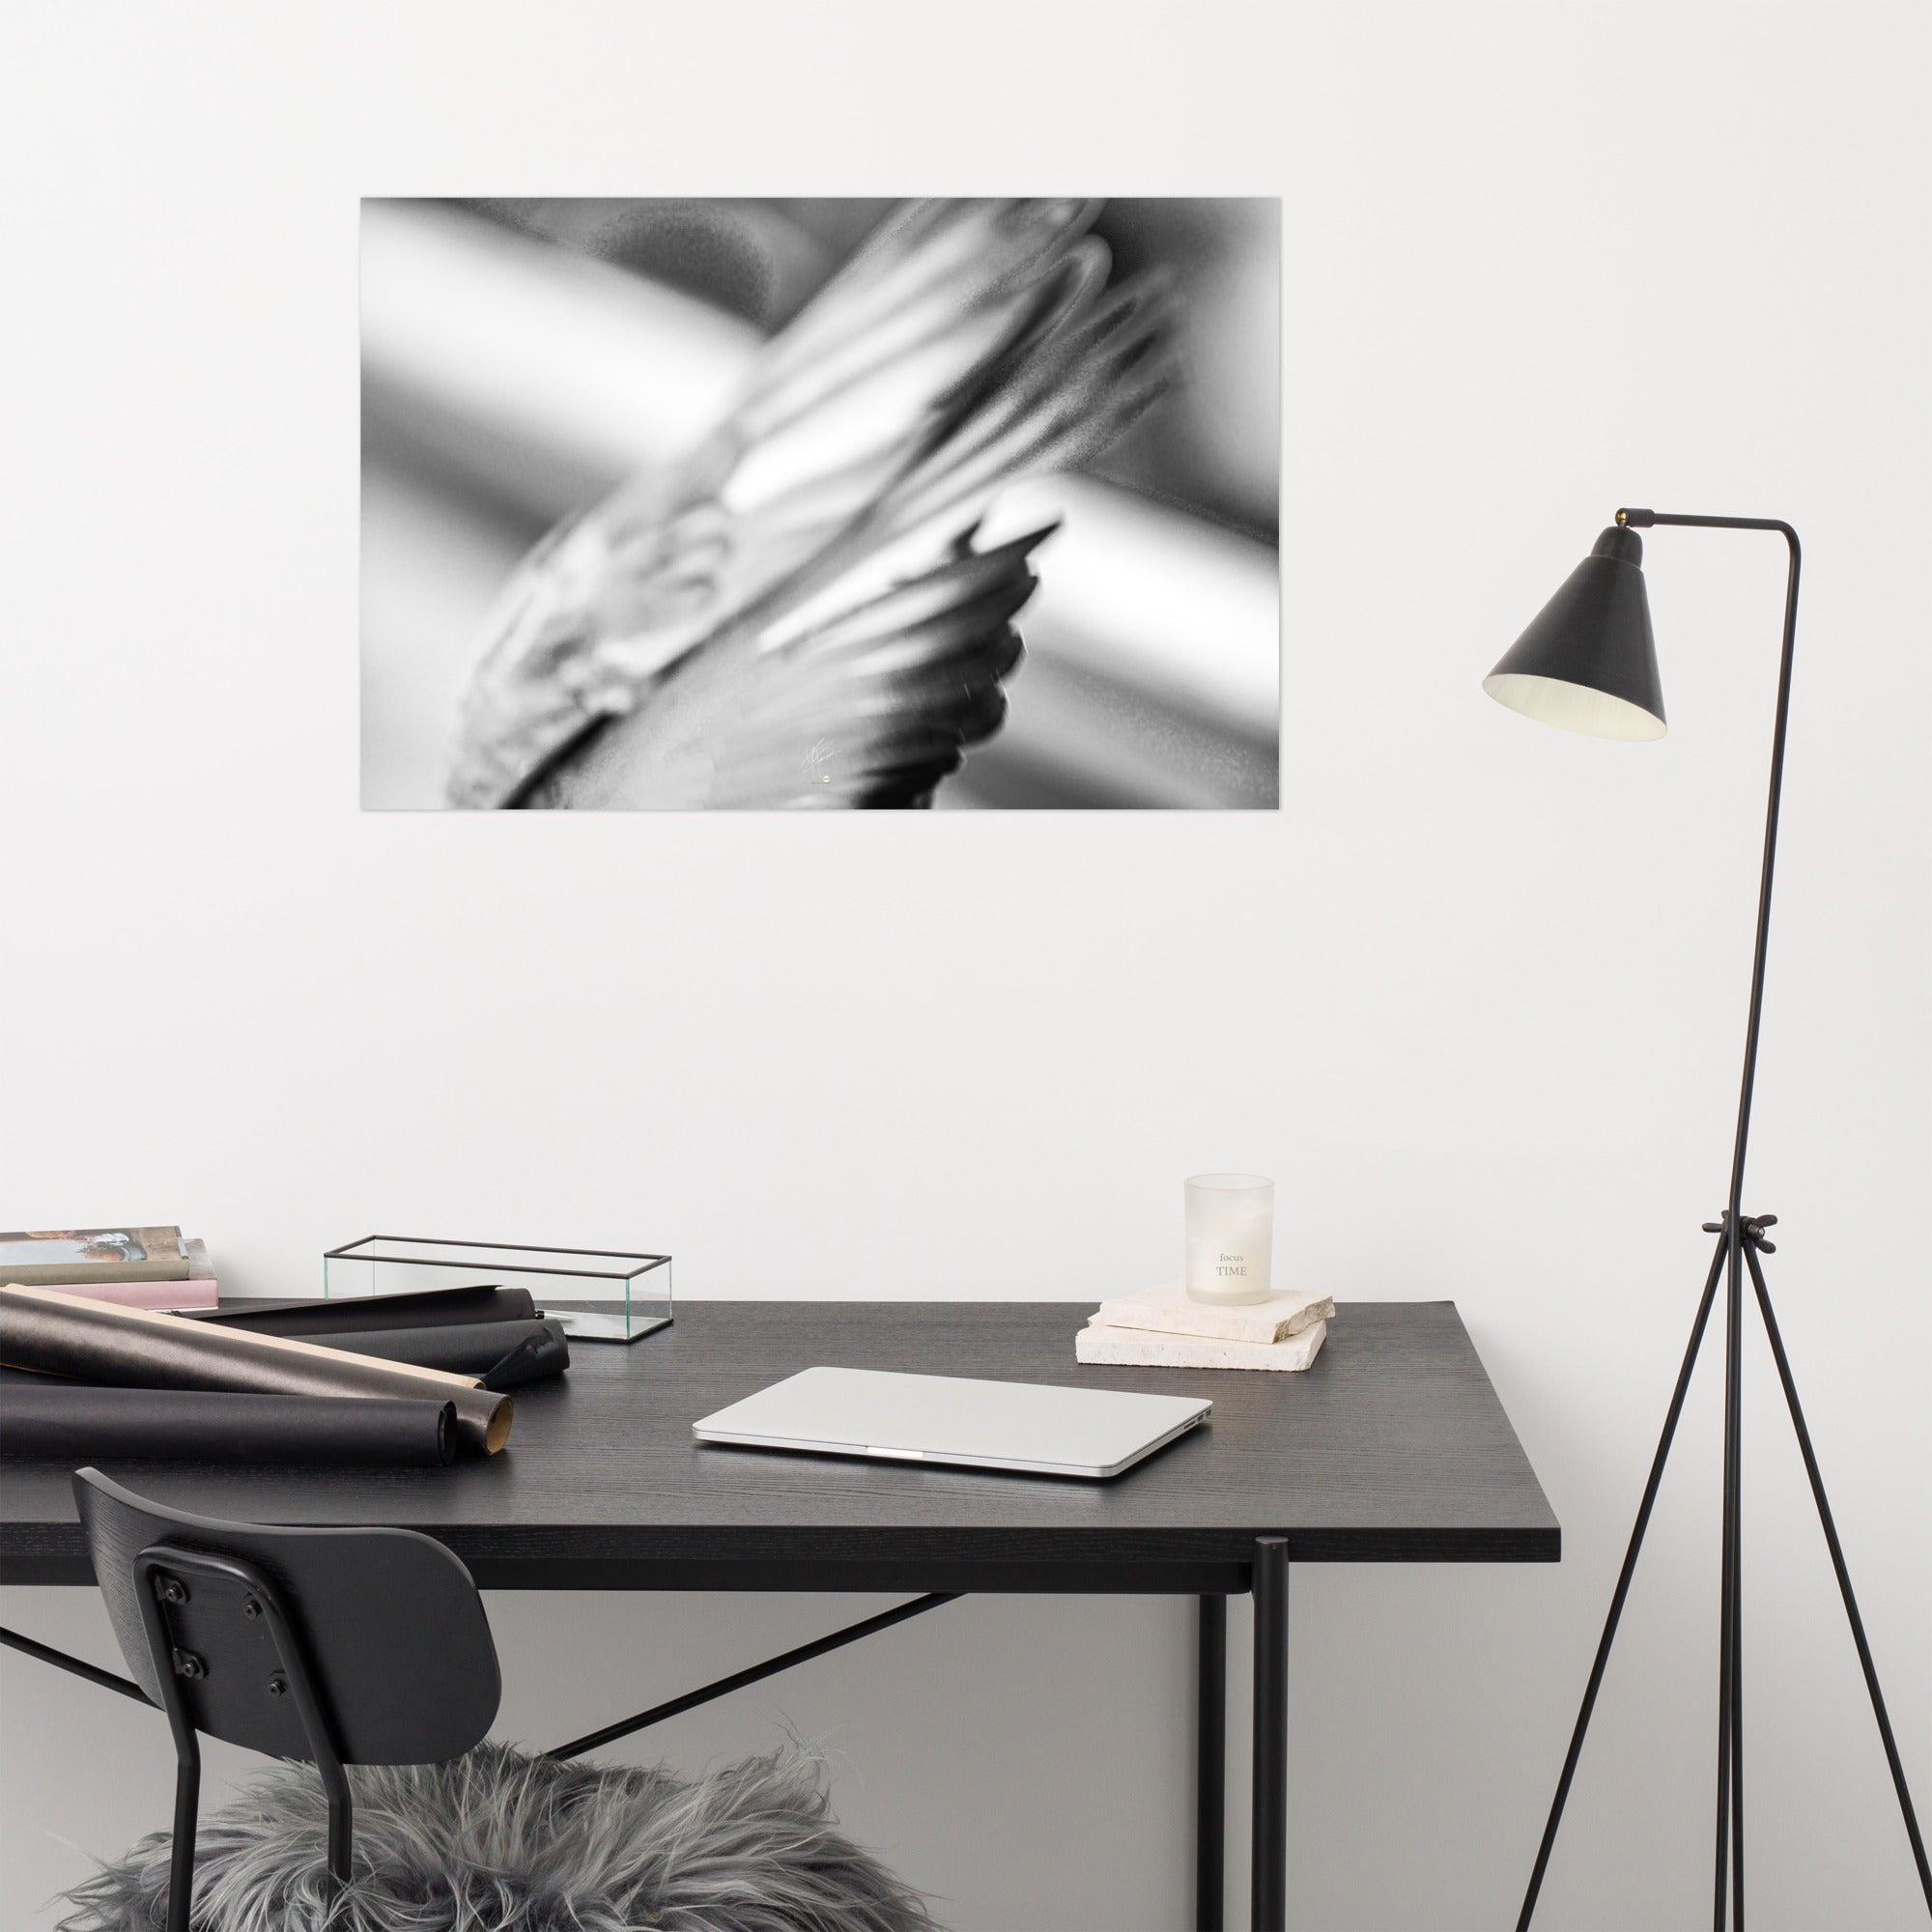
202 1293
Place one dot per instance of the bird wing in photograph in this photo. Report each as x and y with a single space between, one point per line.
798 615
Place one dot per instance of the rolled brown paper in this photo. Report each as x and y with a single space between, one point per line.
71 1423
139 1348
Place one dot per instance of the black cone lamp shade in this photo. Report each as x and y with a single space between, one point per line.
1588 661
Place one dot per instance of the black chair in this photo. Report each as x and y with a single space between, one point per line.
371 1647
331 1646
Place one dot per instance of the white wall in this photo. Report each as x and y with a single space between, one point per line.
1475 994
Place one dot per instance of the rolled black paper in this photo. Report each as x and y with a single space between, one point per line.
466 1348
524 1363
68 1423
364 1314
137 1347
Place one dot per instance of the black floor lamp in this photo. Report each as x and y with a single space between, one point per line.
1589 663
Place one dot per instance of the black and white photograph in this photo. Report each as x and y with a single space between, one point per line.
779 505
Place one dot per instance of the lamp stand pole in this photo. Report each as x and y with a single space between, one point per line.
1740 1240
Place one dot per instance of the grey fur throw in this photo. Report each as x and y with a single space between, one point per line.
497 1841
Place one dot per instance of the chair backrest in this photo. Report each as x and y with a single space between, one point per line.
389 1627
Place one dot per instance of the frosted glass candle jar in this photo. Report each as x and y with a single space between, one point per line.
1230 1237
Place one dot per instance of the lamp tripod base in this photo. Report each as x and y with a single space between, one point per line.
1740 1240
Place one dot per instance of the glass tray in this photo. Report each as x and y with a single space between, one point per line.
598 1296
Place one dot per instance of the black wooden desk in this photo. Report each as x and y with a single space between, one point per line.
1391 1448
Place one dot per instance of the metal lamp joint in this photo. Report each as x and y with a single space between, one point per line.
1751 1226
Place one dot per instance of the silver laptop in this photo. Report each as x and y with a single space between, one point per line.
1046 1432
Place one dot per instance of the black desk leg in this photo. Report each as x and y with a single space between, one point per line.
1270 1893
1210 1766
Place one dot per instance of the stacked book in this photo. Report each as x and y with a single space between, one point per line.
132 1268
1163 1328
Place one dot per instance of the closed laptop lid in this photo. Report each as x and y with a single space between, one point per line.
954 1419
